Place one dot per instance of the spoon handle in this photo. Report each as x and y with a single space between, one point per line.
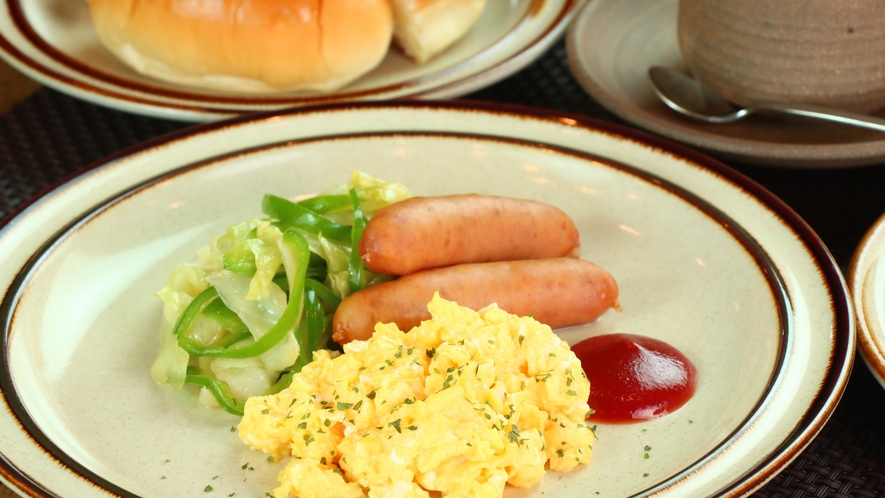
827 114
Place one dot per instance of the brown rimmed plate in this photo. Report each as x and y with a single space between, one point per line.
706 260
866 280
53 42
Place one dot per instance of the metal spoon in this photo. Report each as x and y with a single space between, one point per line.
687 96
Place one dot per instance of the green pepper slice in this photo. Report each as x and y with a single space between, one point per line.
220 391
325 203
317 322
355 278
224 316
293 215
296 255
329 299
187 317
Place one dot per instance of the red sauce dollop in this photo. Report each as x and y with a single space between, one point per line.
634 378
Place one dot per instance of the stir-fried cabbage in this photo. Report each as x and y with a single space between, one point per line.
257 302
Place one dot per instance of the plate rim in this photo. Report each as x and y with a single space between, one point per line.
859 267
740 236
750 151
197 105
842 346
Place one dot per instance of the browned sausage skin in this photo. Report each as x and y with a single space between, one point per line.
557 292
432 232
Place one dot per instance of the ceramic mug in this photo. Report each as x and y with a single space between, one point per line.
825 52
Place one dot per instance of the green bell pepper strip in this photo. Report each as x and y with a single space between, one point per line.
292 215
193 309
317 269
215 310
299 255
283 382
324 293
281 281
355 268
316 323
325 203
224 316
309 336
220 391
232 339
307 339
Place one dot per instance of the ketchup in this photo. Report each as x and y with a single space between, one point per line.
634 378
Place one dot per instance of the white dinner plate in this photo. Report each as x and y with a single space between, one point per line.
612 43
706 260
866 280
53 42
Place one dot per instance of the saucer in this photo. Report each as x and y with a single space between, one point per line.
612 43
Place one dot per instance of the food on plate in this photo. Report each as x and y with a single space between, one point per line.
634 377
463 404
254 46
432 232
262 298
424 28
257 302
267 46
556 292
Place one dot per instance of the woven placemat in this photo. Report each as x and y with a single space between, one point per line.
50 136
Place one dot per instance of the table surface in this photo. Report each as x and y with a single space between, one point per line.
50 135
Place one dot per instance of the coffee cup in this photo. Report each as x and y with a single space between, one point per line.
822 52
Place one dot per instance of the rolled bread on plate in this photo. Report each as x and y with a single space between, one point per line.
424 28
251 46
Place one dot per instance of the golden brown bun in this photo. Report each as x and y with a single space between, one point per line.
424 28
247 45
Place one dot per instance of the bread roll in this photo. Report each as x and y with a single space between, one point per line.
424 28
254 46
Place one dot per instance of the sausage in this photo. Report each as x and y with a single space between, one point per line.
431 232
557 292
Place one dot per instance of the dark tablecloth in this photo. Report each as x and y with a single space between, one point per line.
51 135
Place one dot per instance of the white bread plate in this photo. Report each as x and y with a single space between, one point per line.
54 43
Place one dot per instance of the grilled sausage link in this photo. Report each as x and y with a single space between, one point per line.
557 292
432 232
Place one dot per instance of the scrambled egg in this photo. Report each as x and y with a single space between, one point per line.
462 404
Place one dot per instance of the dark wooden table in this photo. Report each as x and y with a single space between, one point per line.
50 135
